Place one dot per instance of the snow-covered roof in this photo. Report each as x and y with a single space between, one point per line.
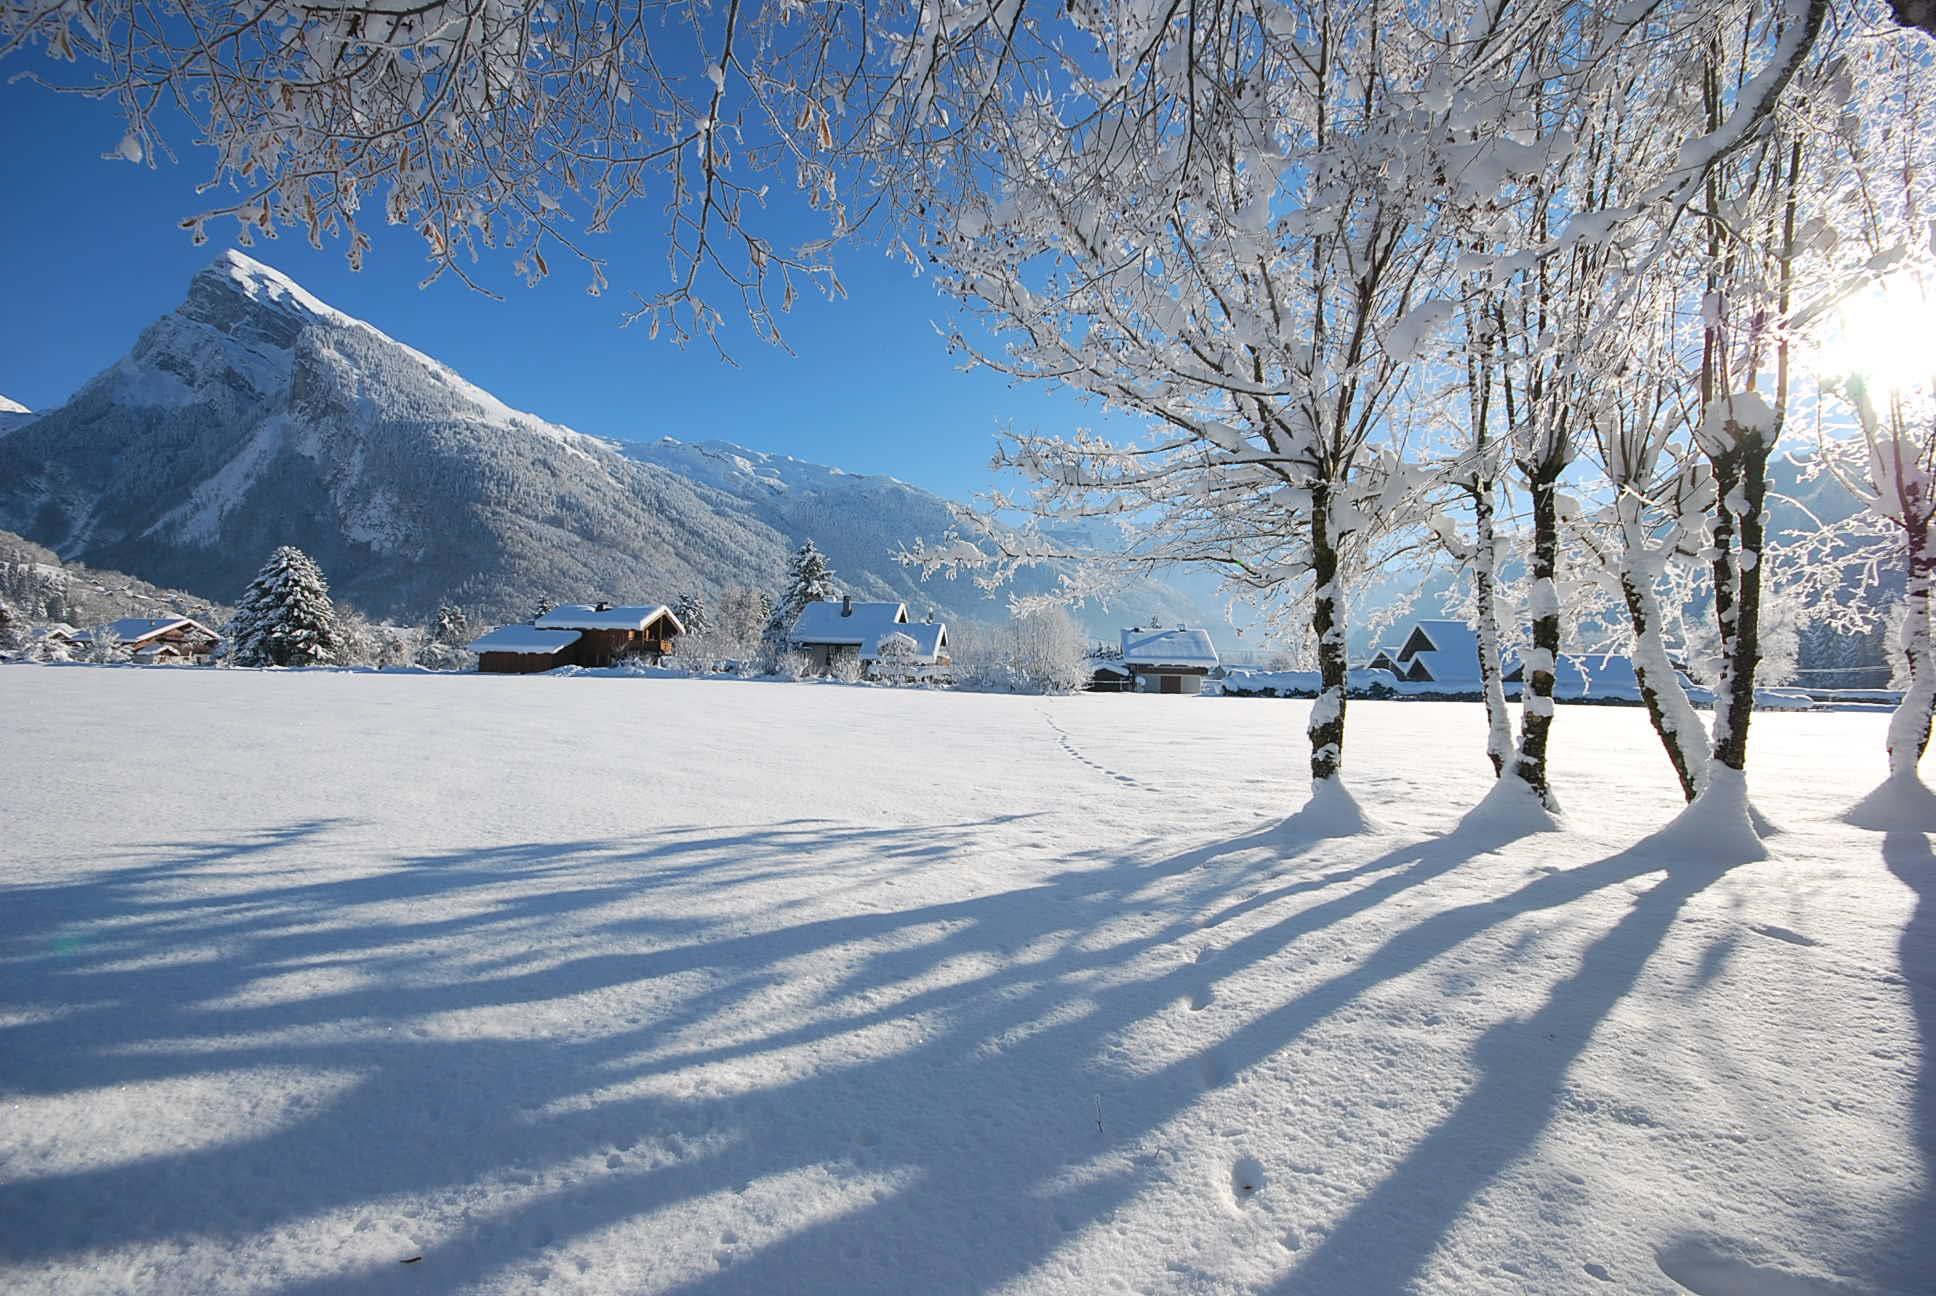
132 630
864 625
1449 651
1184 647
929 637
580 616
525 641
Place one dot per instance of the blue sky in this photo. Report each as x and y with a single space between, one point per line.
95 253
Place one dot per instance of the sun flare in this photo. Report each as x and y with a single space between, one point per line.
1884 335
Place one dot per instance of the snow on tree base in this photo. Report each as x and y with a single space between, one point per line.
1511 809
1903 803
1717 828
1331 812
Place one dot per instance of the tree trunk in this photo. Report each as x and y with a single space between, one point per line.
1741 627
1499 734
1536 687
1909 726
1673 716
1326 727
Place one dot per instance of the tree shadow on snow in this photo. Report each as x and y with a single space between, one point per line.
936 1092
1908 856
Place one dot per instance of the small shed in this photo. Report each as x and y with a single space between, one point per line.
1111 677
525 650
1175 660
607 633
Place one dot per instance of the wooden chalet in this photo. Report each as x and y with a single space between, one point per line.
608 634
161 640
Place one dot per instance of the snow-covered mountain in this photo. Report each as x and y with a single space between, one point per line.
859 520
12 414
256 415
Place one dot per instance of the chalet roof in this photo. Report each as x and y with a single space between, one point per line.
581 616
929 637
1183 647
525 641
864 625
1447 650
132 630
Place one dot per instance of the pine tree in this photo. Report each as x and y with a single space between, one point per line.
809 580
690 611
544 605
452 628
9 628
285 617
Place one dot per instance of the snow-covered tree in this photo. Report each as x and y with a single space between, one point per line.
809 580
105 648
1041 650
896 660
690 610
527 127
284 617
447 641
10 628
739 620
1222 255
1650 525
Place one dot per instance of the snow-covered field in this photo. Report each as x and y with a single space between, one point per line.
330 982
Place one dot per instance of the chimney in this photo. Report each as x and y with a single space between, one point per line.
846 605
603 606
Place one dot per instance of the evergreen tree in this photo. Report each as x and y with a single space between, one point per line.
285 617
690 610
9 628
452 628
544 605
809 580
447 643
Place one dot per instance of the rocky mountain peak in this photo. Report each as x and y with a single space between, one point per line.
253 303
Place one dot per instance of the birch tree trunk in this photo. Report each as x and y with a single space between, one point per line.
1485 580
1740 507
1910 725
1673 716
1326 726
1536 688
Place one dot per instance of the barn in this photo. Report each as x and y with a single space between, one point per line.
525 650
607 634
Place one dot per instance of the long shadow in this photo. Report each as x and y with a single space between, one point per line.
118 1004
1384 1243
1908 856
948 1051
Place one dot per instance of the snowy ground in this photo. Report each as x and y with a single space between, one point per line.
606 985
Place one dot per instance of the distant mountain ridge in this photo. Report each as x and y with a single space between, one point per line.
255 415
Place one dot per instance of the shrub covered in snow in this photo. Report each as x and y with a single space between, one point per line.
1041 651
